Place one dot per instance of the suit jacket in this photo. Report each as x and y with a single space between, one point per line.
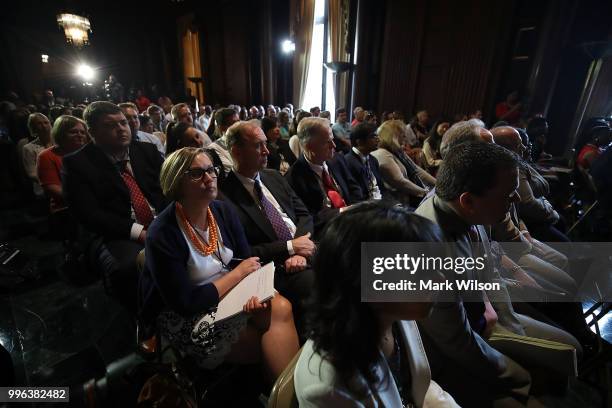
97 195
358 171
305 183
448 332
259 232
281 152
165 281
316 384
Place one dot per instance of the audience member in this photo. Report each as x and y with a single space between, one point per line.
315 111
192 260
324 185
224 119
420 126
203 120
342 129
280 156
358 116
283 124
325 115
112 188
403 179
294 141
534 208
537 129
40 132
182 135
510 110
597 137
431 146
142 102
278 226
372 355
68 135
362 165
182 113
476 185
131 114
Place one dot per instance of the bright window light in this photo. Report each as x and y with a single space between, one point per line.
314 83
45 58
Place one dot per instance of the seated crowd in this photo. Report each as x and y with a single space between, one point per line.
209 198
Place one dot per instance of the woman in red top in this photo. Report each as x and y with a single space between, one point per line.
600 138
68 134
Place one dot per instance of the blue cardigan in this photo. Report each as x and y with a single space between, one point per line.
165 281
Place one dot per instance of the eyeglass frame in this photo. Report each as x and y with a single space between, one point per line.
216 170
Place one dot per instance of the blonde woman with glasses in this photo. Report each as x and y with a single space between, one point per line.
196 252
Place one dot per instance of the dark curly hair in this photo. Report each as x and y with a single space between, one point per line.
344 330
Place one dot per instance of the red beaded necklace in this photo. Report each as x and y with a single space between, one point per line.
203 248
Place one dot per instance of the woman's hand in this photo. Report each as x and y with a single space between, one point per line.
247 267
253 305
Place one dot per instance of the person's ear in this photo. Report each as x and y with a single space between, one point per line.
466 201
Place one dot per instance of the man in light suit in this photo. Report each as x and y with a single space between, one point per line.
322 181
277 224
476 186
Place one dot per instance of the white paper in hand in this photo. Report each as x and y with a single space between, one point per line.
259 283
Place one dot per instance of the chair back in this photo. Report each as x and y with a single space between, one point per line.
283 393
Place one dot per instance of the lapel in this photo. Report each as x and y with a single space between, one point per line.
103 163
363 171
334 166
279 194
309 178
240 196
138 168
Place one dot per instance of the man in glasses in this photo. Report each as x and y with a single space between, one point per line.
278 225
362 165
112 189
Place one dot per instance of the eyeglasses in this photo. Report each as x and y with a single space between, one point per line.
197 173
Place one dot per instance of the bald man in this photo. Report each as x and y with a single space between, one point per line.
544 263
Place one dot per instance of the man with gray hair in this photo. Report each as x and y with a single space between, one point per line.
322 181
462 132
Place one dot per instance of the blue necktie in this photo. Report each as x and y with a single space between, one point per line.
274 216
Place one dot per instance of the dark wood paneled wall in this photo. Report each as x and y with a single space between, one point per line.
242 62
438 55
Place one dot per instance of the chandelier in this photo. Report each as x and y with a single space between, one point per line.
75 27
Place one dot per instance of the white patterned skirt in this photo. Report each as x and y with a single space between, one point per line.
208 343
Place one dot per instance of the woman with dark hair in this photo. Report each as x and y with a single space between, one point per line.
431 146
365 354
181 135
280 157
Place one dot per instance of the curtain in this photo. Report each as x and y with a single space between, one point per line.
337 20
302 21
192 68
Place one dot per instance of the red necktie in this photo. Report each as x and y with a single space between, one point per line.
142 210
332 193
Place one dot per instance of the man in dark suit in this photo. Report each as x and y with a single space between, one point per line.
277 224
361 164
112 189
322 181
